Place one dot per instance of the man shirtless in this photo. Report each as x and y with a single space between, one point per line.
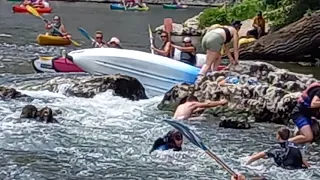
192 105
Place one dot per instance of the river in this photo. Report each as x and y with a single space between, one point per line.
109 137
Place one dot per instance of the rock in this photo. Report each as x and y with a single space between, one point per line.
271 100
234 124
11 93
44 115
88 87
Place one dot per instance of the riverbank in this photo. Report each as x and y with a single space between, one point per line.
205 3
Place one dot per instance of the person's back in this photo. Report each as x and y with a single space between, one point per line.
184 111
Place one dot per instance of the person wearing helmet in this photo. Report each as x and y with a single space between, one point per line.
214 40
188 51
114 43
172 140
57 26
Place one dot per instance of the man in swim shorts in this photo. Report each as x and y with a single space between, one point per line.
288 155
308 106
192 105
172 140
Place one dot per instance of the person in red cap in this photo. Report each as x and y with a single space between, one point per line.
188 51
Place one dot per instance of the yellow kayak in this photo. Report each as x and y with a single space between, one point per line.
48 40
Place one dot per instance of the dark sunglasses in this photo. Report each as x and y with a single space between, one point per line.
163 36
98 37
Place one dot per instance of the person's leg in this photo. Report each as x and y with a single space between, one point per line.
306 134
216 64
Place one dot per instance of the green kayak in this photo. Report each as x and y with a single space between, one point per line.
15 0
174 6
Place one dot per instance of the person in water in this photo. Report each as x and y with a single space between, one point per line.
36 3
188 52
57 25
192 105
288 155
172 140
166 48
214 40
99 42
259 25
114 43
238 177
308 107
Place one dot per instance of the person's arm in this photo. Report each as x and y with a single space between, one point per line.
164 52
63 30
227 52
210 104
184 49
305 163
256 157
236 46
315 103
255 23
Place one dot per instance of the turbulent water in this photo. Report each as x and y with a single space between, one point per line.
109 137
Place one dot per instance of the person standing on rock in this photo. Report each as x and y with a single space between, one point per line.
308 106
214 40
192 105
259 25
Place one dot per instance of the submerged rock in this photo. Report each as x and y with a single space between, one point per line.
88 87
269 100
10 93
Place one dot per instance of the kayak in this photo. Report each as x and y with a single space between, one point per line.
14 0
121 7
22 9
174 6
54 64
48 40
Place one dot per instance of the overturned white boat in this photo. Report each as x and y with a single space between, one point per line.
156 73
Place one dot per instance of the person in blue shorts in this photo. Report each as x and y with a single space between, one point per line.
308 107
172 140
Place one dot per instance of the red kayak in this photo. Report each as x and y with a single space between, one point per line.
23 9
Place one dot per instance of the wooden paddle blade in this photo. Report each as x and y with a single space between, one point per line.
167 22
33 11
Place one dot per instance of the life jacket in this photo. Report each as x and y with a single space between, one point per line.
290 157
54 32
188 58
304 99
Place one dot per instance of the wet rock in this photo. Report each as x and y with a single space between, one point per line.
44 115
234 124
88 87
10 93
270 100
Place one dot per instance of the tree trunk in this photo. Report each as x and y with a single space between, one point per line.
299 42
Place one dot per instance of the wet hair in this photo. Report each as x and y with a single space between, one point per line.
192 98
99 32
284 133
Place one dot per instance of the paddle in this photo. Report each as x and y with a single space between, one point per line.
35 13
124 5
195 139
167 23
150 38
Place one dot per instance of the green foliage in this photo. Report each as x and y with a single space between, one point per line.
225 15
278 12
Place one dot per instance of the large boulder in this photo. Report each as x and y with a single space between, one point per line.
270 100
88 87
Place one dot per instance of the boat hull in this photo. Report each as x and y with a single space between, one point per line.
54 64
48 40
155 72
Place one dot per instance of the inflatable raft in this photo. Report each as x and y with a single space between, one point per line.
54 64
174 6
22 9
48 40
121 7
